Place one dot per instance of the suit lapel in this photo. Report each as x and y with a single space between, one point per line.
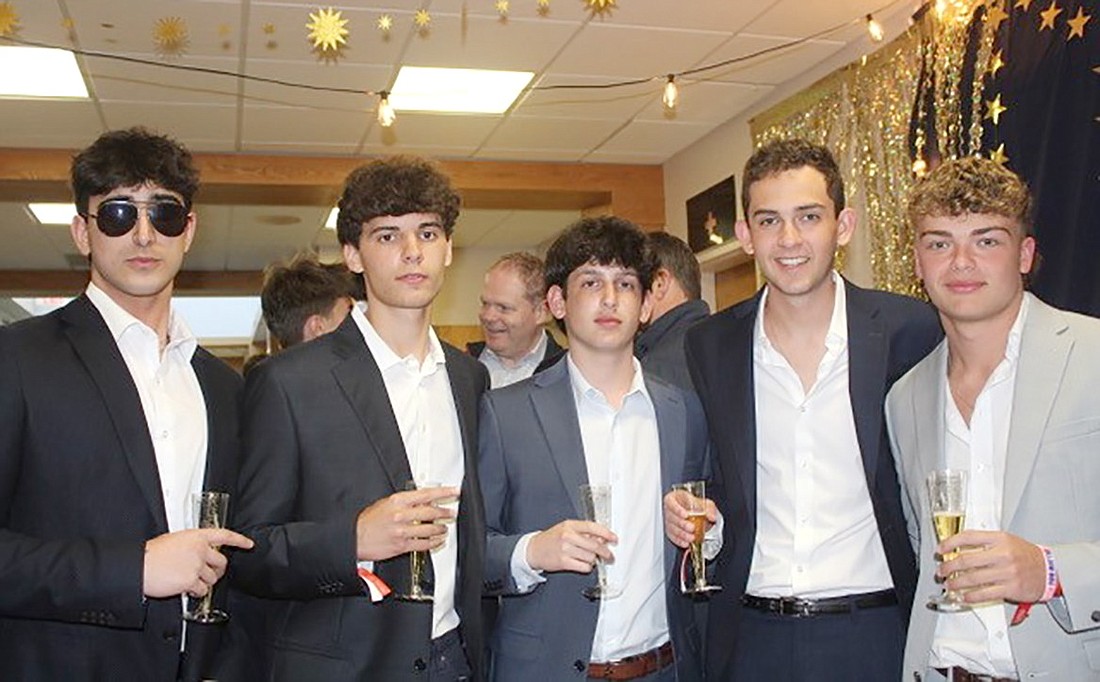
737 390
361 381
672 436
927 410
92 341
219 463
557 415
866 376
1044 349
466 393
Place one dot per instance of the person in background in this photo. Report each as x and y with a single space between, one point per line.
1010 398
304 299
111 417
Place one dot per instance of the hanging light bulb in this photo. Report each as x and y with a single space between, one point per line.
386 114
875 29
672 93
920 167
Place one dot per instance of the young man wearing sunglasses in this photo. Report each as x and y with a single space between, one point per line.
110 417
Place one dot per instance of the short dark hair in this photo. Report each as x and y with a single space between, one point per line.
135 156
296 290
971 185
605 240
673 254
784 155
395 186
531 271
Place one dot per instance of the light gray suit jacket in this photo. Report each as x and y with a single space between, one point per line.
1051 490
531 465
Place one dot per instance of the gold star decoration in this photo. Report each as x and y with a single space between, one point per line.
268 29
422 19
224 30
544 5
996 15
9 19
326 30
502 7
994 109
1077 24
1049 15
999 155
385 23
1026 4
600 6
996 64
170 35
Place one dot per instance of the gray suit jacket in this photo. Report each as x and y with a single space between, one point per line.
1051 479
531 465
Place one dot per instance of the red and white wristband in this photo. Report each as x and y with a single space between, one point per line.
1051 589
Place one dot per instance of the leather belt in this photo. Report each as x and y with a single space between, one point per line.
958 674
632 667
805 608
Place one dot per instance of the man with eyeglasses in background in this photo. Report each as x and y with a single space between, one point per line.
110 417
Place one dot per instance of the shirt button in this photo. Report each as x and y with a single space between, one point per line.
803 464
1000 634
164 434
798 568
419 665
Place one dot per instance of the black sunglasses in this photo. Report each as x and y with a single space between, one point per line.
116 217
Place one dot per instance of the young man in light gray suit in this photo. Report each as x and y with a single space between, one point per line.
594 417
1010 399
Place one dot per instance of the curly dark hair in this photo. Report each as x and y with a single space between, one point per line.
605 240
395 186
784 155
135 156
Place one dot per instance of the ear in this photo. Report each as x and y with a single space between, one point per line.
78 230
647 308
352 259
542 312
555 301
659 288
744 235
450 253
1027 254
845 226
189 231
313 327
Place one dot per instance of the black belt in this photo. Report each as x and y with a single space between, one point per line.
804 608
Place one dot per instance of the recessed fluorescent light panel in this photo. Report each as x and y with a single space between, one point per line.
457 90
53 214
39 72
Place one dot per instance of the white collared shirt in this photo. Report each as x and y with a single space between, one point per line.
816 533
501 375
171 398
423 405
621 448
978 639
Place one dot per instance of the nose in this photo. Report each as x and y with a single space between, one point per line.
411 251
144 233
609 297
962 259
789 234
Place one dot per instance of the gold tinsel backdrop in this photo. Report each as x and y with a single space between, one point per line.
879 116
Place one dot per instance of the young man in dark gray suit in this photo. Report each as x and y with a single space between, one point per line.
334 431
594 417
110 417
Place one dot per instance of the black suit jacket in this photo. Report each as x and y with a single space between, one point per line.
660 347
887 334
80 495
322 443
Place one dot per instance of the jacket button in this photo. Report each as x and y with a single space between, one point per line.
1096 616
579 665
169 635
419 665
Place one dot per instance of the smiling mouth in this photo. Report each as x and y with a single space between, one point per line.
793 262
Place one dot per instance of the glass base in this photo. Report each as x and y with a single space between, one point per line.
597 592
208 617
416 595
947 604
702 589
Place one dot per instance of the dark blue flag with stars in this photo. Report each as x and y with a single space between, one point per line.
1042 120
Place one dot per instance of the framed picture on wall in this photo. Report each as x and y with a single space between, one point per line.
710 216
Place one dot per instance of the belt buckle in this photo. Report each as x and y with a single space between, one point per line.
793 606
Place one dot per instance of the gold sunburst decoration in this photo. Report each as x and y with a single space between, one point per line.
385 23
422 19
326 30
9 19
600 6
170 35
502 7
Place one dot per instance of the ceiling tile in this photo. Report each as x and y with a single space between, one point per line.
591 101
48 123
634 52
547 133
654 137
798 19
297 125
360 77
181 121
702 102
111 79
768 69
480 42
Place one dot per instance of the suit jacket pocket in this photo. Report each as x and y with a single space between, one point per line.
517 644
1092 653
311 626
1072 429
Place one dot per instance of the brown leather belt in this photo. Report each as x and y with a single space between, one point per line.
633 667
804 608
958 674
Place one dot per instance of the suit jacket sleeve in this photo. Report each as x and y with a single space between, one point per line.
77 580
1078 570
292 559
493 475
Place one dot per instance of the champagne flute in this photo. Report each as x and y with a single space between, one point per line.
596 501
209 509
947 498
419 589
695 501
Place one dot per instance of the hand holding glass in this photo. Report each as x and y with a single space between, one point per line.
694 500
947 498
596 502
209 509
420 588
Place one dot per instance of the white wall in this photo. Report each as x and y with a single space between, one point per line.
457 303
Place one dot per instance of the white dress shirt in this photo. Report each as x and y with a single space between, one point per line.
502 375
171 399
621 449
423 404
978 639
816 533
